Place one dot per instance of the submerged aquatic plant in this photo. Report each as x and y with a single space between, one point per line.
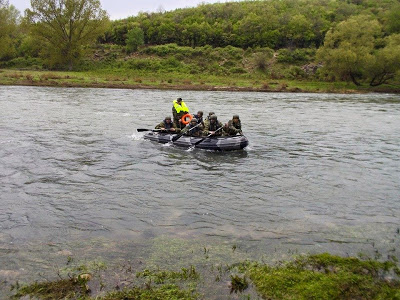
325 276
60 289
238 284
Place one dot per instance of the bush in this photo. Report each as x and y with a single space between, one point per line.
144 64
293 56
171 63
261 61
163 50
238 70
295 72
134 39
23 62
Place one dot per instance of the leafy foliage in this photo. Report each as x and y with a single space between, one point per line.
134 39
65 27
351 52
249 24
8 29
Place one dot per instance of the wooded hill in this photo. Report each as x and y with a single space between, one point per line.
323 40
247 24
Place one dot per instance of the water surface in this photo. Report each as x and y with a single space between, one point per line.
322 173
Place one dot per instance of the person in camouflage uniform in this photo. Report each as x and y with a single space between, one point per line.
199 117
207 120
168 125
234 126
193 128
212 126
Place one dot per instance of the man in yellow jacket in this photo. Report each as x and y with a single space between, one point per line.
179 109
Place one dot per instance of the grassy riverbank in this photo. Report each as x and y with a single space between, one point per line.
185 68
321 276
174 81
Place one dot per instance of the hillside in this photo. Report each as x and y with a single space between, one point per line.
249 43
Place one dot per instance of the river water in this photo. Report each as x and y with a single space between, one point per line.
321 173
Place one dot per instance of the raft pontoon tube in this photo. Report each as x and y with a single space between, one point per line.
221 143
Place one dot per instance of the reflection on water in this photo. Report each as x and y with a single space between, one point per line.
321 173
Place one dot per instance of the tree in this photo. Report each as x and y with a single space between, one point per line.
8 28
66 27
298 32
348 49
134 39
393 19
387 61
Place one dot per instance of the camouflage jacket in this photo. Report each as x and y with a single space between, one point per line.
193 130
233 129
208 126
167 126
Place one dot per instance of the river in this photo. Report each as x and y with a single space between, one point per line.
321 174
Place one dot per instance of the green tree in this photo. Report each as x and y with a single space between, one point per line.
66 27
298 32
348 50
134 39
393 19
387 61
9 17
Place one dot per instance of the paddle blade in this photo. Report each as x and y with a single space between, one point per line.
143 129
176 137
198 142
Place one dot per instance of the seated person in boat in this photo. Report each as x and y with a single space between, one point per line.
199 117
234 126
207 120
168 125
213 126
193 128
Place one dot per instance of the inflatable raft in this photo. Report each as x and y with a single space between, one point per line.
221 143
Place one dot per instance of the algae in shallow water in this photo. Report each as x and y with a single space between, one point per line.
72 288
325 276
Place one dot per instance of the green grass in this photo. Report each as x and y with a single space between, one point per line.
144 79
174 67
60 289
321 276
170 291
325 276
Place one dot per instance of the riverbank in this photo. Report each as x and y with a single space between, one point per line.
173 81
321 276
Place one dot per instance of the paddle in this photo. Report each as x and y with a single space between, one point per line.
183 132
211 134
154 130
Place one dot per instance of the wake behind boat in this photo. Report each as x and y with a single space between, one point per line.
215 143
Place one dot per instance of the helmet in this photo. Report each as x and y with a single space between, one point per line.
235 117
211 113
168 118
179 99
213 117
194 120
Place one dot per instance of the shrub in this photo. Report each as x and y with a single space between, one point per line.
261 61
238 70
293 56
295 72
23 62
144 64
134 39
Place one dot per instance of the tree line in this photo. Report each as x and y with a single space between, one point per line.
357 40
273 23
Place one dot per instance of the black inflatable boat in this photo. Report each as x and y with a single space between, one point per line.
222 143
